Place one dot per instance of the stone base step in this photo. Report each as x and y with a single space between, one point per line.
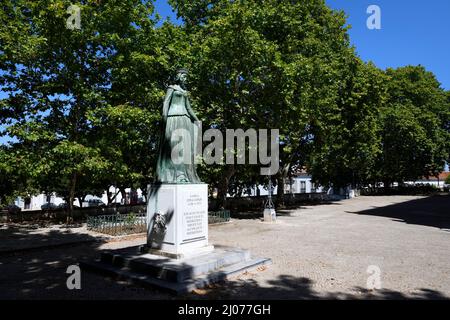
175 276
174 270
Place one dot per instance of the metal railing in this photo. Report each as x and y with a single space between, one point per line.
118 224
124 224
219 216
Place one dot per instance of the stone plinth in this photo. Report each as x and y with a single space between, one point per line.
270 215
177 256
177 220
178 276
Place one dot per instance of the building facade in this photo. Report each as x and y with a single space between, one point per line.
37 201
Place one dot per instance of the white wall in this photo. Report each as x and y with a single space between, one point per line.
296 187
38 200
435 183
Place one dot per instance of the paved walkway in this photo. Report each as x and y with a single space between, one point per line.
319 251
26 237
325 251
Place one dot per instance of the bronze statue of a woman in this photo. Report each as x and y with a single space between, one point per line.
175 164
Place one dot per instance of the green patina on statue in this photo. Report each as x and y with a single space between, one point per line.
178 125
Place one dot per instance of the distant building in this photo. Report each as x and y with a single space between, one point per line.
437 181
35 202
300 182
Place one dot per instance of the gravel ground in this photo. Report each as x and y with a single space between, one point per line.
16 237
320 251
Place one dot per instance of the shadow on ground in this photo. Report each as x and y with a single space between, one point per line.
17 237
33 264
287 287
431 211
40 273
283 211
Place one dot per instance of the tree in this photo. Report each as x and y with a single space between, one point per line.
264 64
415 136
64 83
14 181
346 153
147 63
6 177
447 180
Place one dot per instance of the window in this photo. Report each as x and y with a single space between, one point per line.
27 203
302 186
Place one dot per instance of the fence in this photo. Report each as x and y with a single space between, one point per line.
118 224
123 224
235 204
219 216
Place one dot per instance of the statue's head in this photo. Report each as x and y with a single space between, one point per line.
182 76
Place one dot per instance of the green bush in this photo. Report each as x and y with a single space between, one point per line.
447 181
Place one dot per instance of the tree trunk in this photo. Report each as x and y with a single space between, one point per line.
124 195
222 189
387 186
109 195
281 177
144 194
73 184
280 189
81 200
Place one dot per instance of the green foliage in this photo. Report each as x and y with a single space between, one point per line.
392 127
447 180
415 136
264 64
65 86
85 105
346 151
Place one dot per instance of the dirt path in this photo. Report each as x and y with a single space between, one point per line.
319 251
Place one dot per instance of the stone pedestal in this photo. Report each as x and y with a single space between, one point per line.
270 215
177 220
178 276
177 257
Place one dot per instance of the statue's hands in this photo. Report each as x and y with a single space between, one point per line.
190 111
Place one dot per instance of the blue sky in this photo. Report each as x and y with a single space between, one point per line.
412 32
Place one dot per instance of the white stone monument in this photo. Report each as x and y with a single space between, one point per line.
269 214
177 220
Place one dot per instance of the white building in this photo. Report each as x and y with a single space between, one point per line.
35 202
438 181
301 183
